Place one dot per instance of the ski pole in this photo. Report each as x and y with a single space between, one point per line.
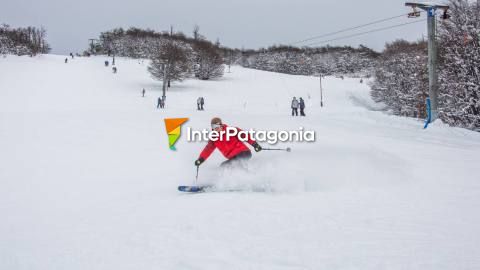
288 149
196 177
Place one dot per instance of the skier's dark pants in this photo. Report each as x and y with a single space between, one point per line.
294 111
245 155
302 113
201 106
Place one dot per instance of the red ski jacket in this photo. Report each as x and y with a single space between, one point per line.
229 148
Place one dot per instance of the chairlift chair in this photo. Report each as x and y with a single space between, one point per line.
414 14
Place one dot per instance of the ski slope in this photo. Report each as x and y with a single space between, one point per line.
87 180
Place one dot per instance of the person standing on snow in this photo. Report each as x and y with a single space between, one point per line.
162 102
199 100
143 92
233 149
295 105
302 107
159 102
202 101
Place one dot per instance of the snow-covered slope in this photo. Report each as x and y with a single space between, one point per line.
87 180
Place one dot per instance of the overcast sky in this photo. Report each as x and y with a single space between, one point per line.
245 23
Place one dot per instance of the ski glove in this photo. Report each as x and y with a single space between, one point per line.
257 147
199 161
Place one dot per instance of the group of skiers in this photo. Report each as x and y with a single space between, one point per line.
66 58
298 104
200 102
114 68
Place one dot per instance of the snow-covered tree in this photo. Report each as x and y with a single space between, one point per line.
459 36
401 78
140 43
209 62
23 41
174 57
311 61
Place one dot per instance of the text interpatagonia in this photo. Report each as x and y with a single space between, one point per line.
270 136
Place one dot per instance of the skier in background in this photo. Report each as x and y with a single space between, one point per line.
66 60
114 69
159 102
143 92
199 99
162 102
294 106
234 149
302 107
202 101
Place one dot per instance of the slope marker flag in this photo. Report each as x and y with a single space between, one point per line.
173 130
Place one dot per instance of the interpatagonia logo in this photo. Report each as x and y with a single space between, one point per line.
173 126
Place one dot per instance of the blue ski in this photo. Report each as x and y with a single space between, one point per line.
193 189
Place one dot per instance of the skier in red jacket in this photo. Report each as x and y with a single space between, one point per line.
234 149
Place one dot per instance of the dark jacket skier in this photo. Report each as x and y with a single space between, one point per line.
198 103
302 107
159 103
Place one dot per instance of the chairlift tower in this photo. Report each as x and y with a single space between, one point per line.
431 9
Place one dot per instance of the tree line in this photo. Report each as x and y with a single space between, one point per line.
401 74
23 41
326 60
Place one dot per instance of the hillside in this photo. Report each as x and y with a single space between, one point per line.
87 180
